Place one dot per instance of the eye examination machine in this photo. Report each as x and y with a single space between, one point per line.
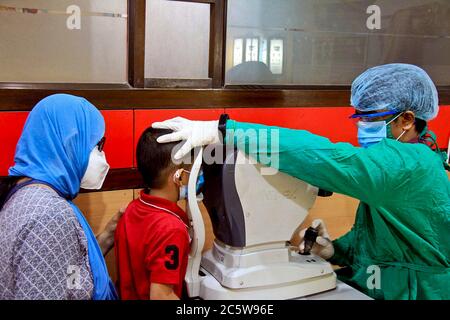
254 216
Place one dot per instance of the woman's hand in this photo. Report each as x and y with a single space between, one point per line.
106 238
323 247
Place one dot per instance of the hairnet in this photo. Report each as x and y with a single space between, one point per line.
399 87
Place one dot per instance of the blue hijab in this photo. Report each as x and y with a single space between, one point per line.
58 137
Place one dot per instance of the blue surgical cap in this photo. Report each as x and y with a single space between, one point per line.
399 87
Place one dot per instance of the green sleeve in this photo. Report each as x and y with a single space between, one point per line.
335 167
343 249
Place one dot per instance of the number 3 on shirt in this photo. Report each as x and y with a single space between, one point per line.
174 256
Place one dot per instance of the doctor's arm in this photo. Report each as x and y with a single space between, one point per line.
340 168
337 167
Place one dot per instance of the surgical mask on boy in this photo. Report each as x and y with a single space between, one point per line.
370 133
183 193
96 171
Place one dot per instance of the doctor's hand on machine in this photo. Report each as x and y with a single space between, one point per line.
322 246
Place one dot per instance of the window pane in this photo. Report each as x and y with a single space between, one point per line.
238 51
276 56
310 42
177 40
40 42
251 49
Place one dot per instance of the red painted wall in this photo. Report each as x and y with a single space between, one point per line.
328 121
331 122
441 127
12 124
124 127
119 137
144 118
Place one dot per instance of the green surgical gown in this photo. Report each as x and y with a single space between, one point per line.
402 224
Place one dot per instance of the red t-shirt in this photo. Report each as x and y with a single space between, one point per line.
151 246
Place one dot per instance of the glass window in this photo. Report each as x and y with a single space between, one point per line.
251 49
79 41
263 51
238 48
177 40
310 42
276 56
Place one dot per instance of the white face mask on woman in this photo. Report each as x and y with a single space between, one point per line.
96 171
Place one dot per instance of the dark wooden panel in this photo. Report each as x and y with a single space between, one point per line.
136 42
63 86
121 179
118 179
444 95
25 99
178 83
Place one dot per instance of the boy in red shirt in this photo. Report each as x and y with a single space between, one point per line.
152 240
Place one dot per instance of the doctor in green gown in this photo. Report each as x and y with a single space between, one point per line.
402 226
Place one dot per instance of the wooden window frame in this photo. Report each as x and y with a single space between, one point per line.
136 43
169 91
216 54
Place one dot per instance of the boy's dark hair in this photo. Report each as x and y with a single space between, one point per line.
154 160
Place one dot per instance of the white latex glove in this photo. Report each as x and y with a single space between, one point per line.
323 247
196 133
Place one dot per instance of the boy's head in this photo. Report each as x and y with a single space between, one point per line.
155 163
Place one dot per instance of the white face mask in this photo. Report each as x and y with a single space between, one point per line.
96 171
183 193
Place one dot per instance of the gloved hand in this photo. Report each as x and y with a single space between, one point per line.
323 247
196 133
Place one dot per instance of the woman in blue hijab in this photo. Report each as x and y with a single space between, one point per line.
48 249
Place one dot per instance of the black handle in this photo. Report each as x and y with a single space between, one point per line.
324 193
310 238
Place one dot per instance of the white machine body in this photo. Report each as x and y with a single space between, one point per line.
254 217
273 205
